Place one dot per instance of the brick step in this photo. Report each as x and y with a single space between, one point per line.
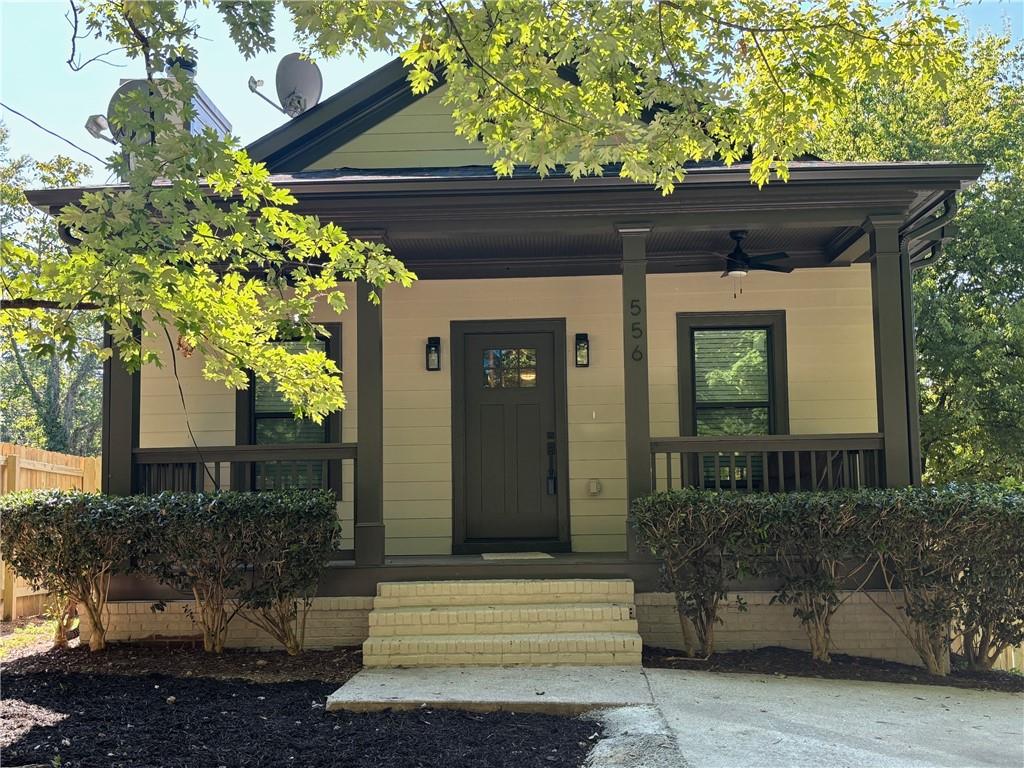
621 648
502 619
506 592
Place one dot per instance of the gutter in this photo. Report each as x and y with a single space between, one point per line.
931 249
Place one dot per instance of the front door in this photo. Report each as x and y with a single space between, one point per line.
513 493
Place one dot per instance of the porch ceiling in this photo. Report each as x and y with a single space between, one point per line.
597 251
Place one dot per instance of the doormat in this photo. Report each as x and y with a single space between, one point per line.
516 556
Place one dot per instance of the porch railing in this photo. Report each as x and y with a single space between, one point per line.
768 462
247 467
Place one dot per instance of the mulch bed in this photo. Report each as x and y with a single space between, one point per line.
186 660
786 662
116 709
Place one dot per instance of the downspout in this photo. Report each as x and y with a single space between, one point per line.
929 226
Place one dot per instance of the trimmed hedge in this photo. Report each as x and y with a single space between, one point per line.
258 555
70 544
953 556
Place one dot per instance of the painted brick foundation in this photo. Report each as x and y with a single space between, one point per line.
858 628
332 622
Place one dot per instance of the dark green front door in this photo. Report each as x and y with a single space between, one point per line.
512 483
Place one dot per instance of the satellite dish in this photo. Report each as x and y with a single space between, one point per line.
299 84
127 87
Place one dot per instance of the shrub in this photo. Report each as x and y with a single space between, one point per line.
704 542
233 552
991 586
951 559
299 532
813 540
71 543
914 534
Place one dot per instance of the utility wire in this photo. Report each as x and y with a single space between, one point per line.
52 133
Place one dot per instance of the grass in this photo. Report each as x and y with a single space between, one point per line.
26 635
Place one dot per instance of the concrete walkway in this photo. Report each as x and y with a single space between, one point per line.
672 718
555 690
735 720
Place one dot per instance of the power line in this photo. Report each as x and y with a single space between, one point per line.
53 133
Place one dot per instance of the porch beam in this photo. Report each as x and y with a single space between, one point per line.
895 367
120 424
369 502
636 377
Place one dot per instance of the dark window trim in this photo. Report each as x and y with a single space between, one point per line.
778 372
245 422
459 330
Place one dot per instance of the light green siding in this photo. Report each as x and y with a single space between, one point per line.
420 136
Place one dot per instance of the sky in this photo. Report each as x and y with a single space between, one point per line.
35 79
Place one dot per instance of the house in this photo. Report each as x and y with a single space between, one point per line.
569 345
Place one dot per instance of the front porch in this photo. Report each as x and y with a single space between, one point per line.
528 268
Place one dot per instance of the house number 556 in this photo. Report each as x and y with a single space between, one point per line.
637 329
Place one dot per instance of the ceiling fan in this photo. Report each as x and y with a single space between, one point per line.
738 262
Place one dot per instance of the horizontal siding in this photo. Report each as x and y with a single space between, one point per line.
831 384
420 136
829 342
417 414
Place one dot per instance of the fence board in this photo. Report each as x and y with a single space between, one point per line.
23 468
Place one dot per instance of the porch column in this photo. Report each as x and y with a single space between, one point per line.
895 360
120 424
369 506
634 348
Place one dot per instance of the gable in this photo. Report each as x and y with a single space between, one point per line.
420 135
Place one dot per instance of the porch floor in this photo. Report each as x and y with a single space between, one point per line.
345 577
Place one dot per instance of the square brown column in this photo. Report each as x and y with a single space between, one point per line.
369 503
636 377
895 359
120 424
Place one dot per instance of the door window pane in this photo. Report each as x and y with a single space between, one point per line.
513 368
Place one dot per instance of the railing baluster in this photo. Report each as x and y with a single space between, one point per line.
846 470
684 468
732 471
828 468
668 469
796 470
718 471
764 471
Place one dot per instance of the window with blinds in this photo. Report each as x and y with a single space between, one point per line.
732 380
274 423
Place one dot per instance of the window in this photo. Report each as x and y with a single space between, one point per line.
510 368
732 381
732 389
732 374
265 418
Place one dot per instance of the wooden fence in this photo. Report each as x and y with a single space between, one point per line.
21 469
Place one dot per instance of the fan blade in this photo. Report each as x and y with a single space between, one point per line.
772 268
726 273
761 257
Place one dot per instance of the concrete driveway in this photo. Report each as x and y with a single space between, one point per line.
737 720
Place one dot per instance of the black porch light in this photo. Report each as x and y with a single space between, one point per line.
434 353
582 350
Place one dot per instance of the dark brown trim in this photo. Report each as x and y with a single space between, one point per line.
775 320
349 579
890 290
369 506
120 424
459 330
636 376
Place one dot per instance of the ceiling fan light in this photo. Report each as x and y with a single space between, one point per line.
736 272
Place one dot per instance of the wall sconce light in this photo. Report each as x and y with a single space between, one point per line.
582 350
434 353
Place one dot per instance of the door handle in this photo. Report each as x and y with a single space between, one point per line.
552 473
